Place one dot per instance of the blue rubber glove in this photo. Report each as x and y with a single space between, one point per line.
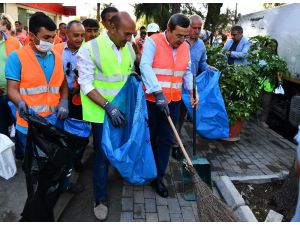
161 102
63 109
116 116
23 109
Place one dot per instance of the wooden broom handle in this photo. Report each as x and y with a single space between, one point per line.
179 140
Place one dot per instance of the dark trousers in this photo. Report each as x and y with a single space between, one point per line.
5 115
161 134
100 170
266 105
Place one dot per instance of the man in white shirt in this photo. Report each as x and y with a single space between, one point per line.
102 73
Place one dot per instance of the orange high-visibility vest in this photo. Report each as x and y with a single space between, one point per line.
169 73
36 92
59 48
11 44
57 39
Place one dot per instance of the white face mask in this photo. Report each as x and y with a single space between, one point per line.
44 46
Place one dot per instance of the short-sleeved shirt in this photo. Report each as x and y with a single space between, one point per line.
13 69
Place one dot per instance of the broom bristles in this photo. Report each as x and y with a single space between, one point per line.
210 208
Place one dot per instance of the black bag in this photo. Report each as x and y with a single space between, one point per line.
45 173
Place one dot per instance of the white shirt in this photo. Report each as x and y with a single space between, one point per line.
86 67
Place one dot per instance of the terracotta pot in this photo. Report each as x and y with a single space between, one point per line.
235 131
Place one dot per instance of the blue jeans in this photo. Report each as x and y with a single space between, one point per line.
5 115
100 170
21 141
161 134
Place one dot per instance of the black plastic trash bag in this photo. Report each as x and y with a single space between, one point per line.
49 152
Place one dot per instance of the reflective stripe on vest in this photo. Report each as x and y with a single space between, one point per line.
110 75
43 108
41 96
39 90
169 72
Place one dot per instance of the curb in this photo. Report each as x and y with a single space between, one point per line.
234 199
261 178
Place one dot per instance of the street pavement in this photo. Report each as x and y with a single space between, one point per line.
260 151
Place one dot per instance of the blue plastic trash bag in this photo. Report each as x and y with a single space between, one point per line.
129 149
296 217
211 116
73 126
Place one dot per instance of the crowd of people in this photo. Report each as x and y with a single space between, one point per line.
76 72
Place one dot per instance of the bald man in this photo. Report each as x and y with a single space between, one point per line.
100 81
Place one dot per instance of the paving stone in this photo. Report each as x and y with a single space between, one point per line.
138 187
195 209
127 191
126 217
139 211
163 213
188 214
150 205
149 192
151 217
173 205
127 204
181 201
139 220
176 217
138 197
161 200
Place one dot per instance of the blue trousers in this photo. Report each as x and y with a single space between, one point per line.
21 141
161 134
100 170
5 115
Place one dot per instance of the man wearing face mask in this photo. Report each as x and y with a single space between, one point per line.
35 77
7 45
104 66
165 66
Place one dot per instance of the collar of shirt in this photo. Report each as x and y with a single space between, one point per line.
67 47
114 47
4 37
188 41
47 54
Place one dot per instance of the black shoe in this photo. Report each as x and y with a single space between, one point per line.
176 154
75 188
160 188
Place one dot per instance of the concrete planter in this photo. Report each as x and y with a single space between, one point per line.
235 200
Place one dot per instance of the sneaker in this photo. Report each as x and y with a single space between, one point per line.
75 188
101 211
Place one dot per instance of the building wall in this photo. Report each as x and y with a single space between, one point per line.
12 10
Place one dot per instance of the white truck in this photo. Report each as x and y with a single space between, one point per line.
283 24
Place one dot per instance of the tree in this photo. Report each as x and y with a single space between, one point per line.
212 17
98 12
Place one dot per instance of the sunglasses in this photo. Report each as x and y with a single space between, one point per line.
69 69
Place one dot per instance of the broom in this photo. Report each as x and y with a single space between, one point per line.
210 208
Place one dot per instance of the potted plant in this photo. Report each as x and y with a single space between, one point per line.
239 84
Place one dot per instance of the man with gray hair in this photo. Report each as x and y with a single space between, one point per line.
198 59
